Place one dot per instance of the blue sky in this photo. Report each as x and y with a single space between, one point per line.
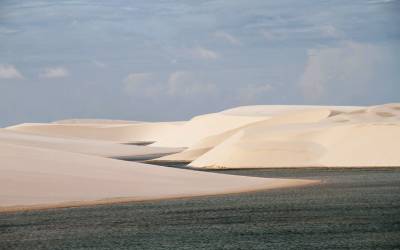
170 60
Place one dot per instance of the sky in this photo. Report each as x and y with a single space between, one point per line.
174 59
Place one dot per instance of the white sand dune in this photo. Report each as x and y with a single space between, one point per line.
204 126
33 177
165 134
84 146
93 121
282 116
362 137
117 132
275 110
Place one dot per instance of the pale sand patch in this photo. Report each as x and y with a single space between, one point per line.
275 110
83 146
93 121
34 177
115 132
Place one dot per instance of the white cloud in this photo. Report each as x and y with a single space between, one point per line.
138 84
137 78
176 84
380 1
99 64
142 85
56 72
183 83
272 35
227 37
7 31
339 71
330 31
204 53
251 93
311 32
9 72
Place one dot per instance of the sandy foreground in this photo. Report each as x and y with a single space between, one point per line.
33 177
48 168
77 162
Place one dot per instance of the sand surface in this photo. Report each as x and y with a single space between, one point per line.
366 137
41 177
105 131
84 146
302 136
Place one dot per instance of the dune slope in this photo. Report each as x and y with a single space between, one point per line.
83 146
34 177
116 132
283 116
364 137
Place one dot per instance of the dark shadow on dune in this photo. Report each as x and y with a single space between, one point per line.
141 158
172 164
139 143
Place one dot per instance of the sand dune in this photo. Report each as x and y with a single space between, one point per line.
204 126
362 137
117 132
37 177
164 134
93 121
283 116
83 146
275 110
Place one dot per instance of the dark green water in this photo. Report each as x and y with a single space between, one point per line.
352 209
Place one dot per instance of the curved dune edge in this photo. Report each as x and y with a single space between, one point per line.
34 178
164 134
330 137
286 183
283 116
101 148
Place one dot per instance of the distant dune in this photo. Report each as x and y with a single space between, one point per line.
302 136
80 145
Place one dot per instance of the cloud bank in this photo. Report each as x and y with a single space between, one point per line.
56 72
9 72
342 71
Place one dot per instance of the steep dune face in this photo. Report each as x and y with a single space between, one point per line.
283 117
204 126
368 137
358 145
